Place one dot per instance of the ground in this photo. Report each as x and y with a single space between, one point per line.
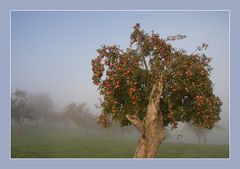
55 143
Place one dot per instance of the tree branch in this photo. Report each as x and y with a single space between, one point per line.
136 122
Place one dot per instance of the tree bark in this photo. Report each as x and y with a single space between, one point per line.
152 131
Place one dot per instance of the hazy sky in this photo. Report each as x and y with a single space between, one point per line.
52 51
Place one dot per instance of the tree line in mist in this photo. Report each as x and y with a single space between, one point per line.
39 110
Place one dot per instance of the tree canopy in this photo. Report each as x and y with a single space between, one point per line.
125 78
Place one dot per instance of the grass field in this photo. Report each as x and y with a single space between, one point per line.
36 143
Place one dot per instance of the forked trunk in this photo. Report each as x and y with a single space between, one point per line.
151 128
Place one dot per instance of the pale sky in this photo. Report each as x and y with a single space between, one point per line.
52 51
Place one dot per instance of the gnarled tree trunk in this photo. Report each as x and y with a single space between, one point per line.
151 128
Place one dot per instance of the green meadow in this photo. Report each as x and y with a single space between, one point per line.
64 143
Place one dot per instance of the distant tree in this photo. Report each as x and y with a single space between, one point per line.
152 85
199 132
19 109
64 118
79 115
41 105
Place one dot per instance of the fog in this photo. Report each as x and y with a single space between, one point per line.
80 120
51 55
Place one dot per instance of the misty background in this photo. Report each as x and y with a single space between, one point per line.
51 53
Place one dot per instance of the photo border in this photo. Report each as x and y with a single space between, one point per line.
125 10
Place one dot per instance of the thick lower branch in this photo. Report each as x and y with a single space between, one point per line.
136 122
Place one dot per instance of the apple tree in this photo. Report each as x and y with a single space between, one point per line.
152 85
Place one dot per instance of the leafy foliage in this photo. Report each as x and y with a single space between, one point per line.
125 78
